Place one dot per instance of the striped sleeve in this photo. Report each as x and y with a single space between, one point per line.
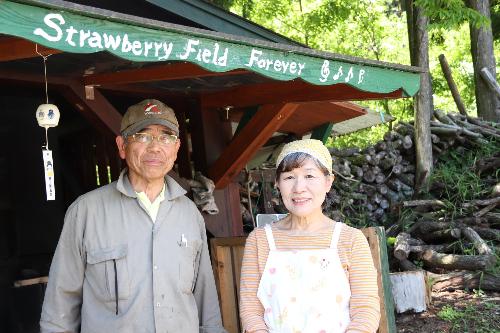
251 310
364 303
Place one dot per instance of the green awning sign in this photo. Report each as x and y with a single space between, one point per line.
76 33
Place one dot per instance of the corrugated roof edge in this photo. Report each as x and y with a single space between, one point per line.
148 23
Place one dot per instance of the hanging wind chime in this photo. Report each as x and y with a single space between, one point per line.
47 116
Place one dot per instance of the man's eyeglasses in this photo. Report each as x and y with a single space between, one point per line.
164 139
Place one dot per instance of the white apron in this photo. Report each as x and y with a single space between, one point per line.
305 291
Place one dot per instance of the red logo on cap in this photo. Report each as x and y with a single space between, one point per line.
150 107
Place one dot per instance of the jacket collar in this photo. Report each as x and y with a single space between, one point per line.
172 188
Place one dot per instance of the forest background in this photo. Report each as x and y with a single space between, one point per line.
377 29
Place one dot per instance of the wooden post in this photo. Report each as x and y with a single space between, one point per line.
378 247
322 132
227 256
451 84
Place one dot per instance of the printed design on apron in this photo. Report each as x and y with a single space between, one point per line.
305 291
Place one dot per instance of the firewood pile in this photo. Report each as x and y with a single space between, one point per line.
372 180
455 236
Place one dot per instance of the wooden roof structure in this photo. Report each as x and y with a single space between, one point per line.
294 88
100 59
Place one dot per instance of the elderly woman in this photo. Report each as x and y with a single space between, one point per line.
307 273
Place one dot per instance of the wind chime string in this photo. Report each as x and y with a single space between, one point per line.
44 57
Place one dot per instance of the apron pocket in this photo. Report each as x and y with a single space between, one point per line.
105 267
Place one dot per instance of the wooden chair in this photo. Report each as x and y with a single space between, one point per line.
227 255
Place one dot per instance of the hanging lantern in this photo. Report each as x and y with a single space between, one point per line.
47 115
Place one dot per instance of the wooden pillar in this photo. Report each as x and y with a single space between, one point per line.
210 135
322 132
181 108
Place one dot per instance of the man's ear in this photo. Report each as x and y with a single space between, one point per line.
120 144
177 145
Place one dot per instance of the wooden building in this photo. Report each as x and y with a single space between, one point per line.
211 66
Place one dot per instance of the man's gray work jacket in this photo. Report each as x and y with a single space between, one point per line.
161 271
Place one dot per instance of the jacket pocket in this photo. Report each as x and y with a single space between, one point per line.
188 266
107 273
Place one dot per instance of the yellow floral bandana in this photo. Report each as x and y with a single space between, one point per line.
313 147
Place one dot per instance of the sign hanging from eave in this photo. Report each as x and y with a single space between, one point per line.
75 33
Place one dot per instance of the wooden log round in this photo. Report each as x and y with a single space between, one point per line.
382 189
397 169
402 246
370 190
407 178
379 178
387 162
407 142
381 146
384 204
369 176
357 171
393 197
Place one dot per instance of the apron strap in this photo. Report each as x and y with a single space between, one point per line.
270 238
336 235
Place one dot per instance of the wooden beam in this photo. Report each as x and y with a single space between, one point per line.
288 91
170 71
254 135
99 106
16 48
249 113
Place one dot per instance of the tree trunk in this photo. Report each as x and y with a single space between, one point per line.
419 52
483 56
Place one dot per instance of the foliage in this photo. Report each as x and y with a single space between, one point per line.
473 318
455 170
377 29
450 14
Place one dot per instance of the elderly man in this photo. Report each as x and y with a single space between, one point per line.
133 254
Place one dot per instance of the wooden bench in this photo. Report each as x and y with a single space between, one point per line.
227 255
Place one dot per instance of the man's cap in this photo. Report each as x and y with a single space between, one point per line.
148 112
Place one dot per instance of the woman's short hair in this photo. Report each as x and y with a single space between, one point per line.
296 160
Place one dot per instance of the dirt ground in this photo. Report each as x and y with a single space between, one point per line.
474 312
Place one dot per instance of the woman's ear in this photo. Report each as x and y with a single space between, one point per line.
331 178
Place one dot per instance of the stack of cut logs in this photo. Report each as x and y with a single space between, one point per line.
371 180
457 251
